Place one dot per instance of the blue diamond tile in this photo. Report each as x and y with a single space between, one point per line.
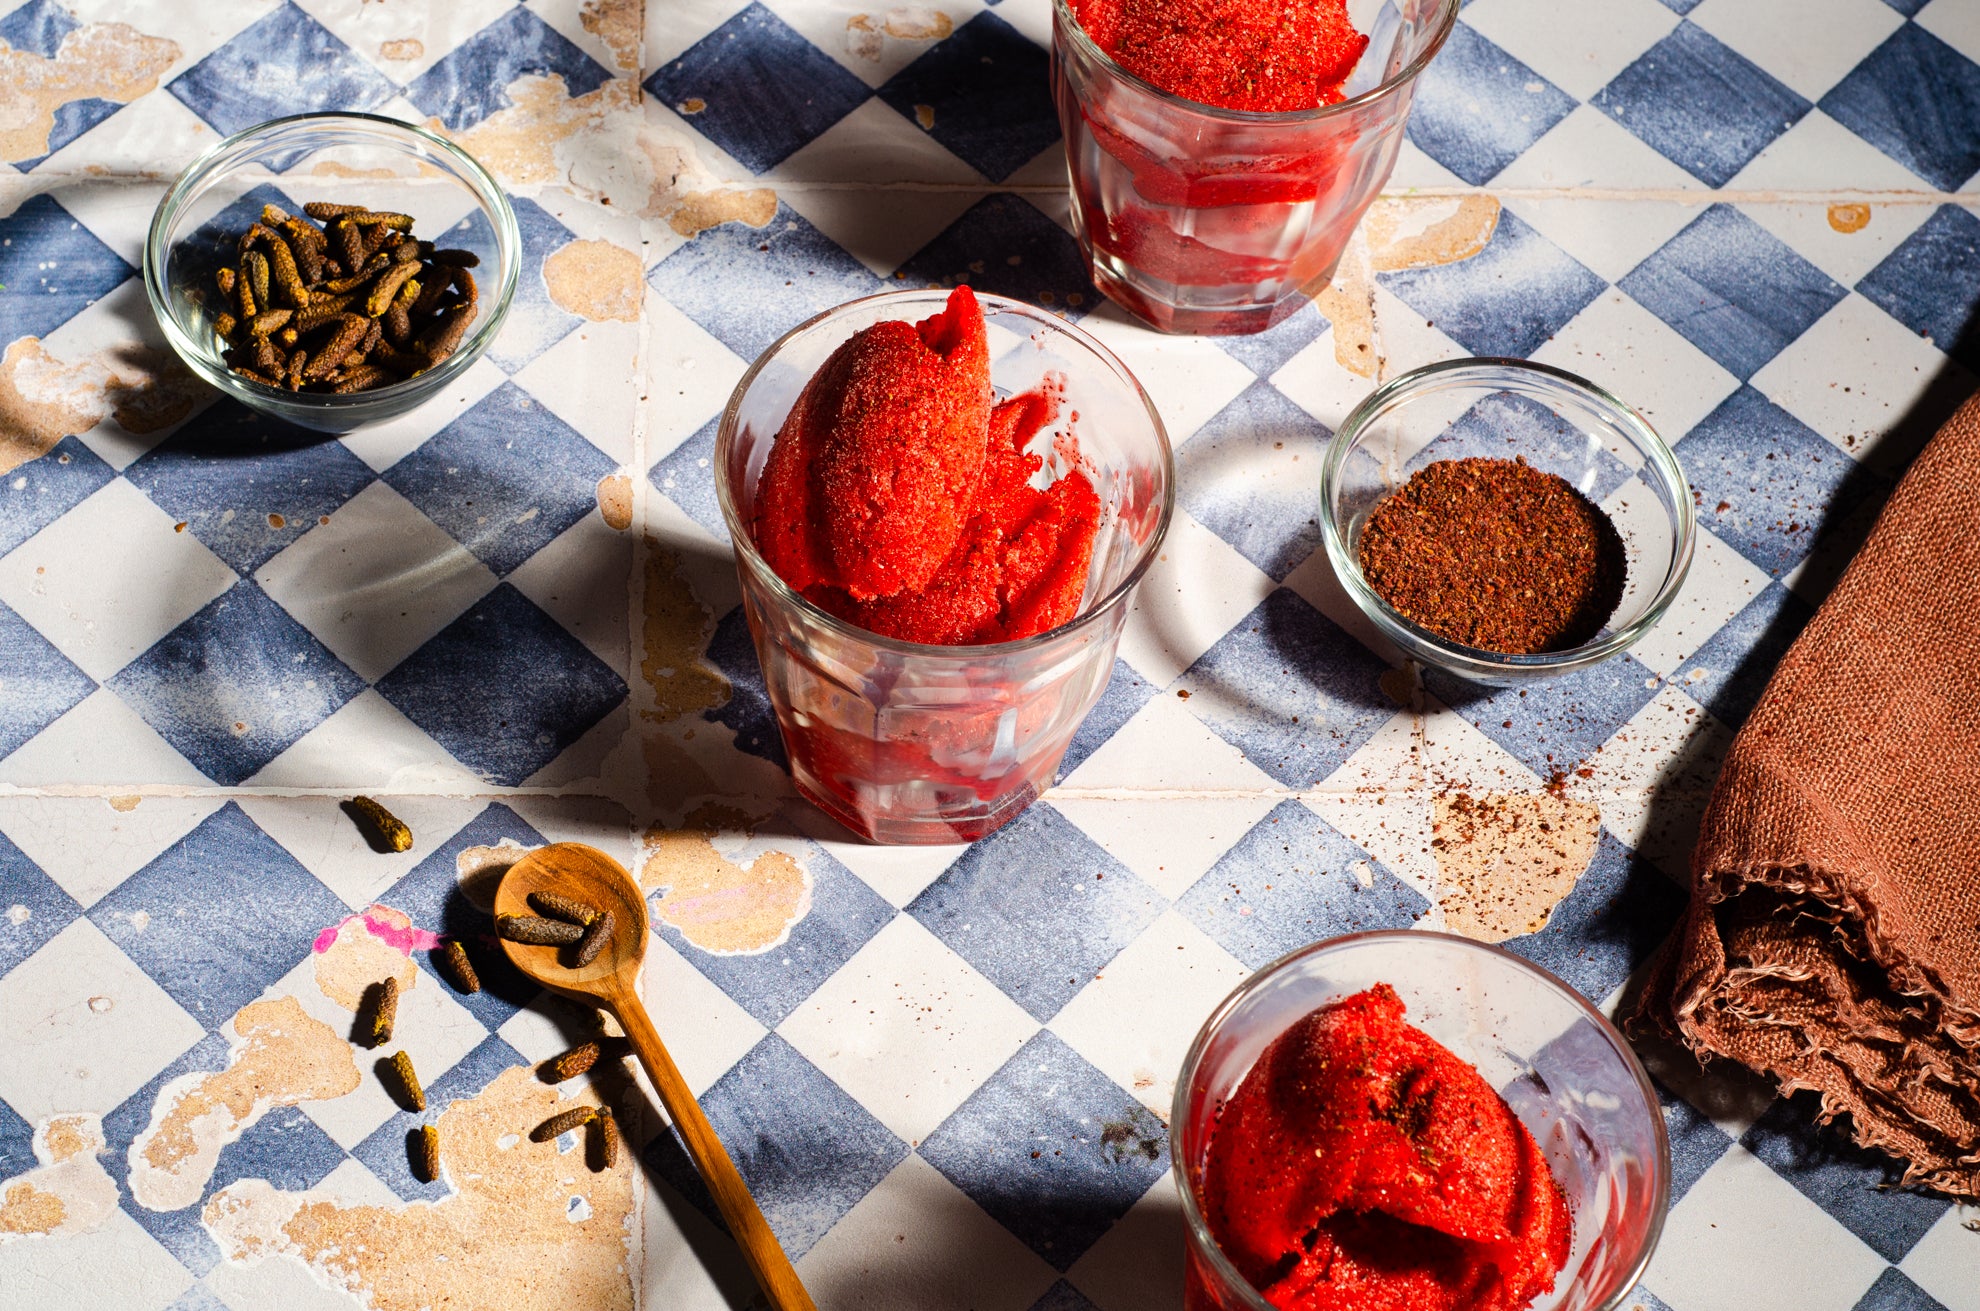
1506 423
844 916
807 1150
1125 694
1621 908
1732 289
1696 1142
1767 480
1700 105
387 1152
1062 1296
234 686
16 1143
1728 674
1505 300
284 1147
990 89
1292 881
178 1232
1289 689
686 476
1022 253
247 485
51 268
1894 1291
1038 908
36 907
221 914
535 322
747 712
1265 353
1556 724
1686 6
198 1298
72 119
749 286
505 479
431 894
1251 475
504 688
472 80
36 494
1051 1149
38 27
764 91
1931 283
38 684
1916 99
1477 108
1907 7
287 63
1854 1185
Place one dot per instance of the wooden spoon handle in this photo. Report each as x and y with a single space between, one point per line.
752 1233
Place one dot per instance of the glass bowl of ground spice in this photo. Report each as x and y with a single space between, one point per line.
332 270
1505 521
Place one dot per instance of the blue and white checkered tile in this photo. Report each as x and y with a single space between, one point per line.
984 93
285 63
1507 299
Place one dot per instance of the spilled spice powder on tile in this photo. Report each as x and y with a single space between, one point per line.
1495 554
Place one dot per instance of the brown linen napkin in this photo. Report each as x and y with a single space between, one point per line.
1833 938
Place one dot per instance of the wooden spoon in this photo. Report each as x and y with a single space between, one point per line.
612 981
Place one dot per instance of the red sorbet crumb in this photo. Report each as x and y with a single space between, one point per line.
922 523
1362 1167
1260 55
868 484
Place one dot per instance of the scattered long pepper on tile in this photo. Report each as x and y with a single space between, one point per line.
354 304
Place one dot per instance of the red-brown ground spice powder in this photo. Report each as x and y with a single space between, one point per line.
1495 554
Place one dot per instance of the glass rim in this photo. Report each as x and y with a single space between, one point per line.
216 161
1447 11
1427 379
1199 1229
745 545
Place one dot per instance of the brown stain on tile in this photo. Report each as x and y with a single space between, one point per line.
1348 301
676 630
617 23
332 168
718 904
866 33
1849 218
698 211
507 1236
521 144
478 869
44 399
103 61
595 280
1420 232
925 115
1505 859
125 804
404 48
285 1057
70 1192
615 501
359 957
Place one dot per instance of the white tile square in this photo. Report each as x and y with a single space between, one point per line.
878 184
1188 378
1319 583
281 1279
1609 236
1718 586
89 845
117 1260
1619 345
1589 150
154 126
583 580
1810 45
65 1054
1846 239
368 746
586 380
1943 1262
908 1028
706 1031
1820 154
1404 339
686 1263
1137 1017
318 833
1742 1239
383 445
1458 757
109 578
100 741
917 1243
1197 589
1417 171
689 376
1855 376
1653 778
438 30
1578 48
1315 379
897 873
1138 1264
376 582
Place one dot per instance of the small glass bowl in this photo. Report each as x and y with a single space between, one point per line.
1561 424
349 159
1564 1070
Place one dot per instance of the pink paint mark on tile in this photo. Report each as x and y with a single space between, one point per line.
405 940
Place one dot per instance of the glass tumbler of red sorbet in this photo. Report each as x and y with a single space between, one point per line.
1562 1068
1198 219
909 743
